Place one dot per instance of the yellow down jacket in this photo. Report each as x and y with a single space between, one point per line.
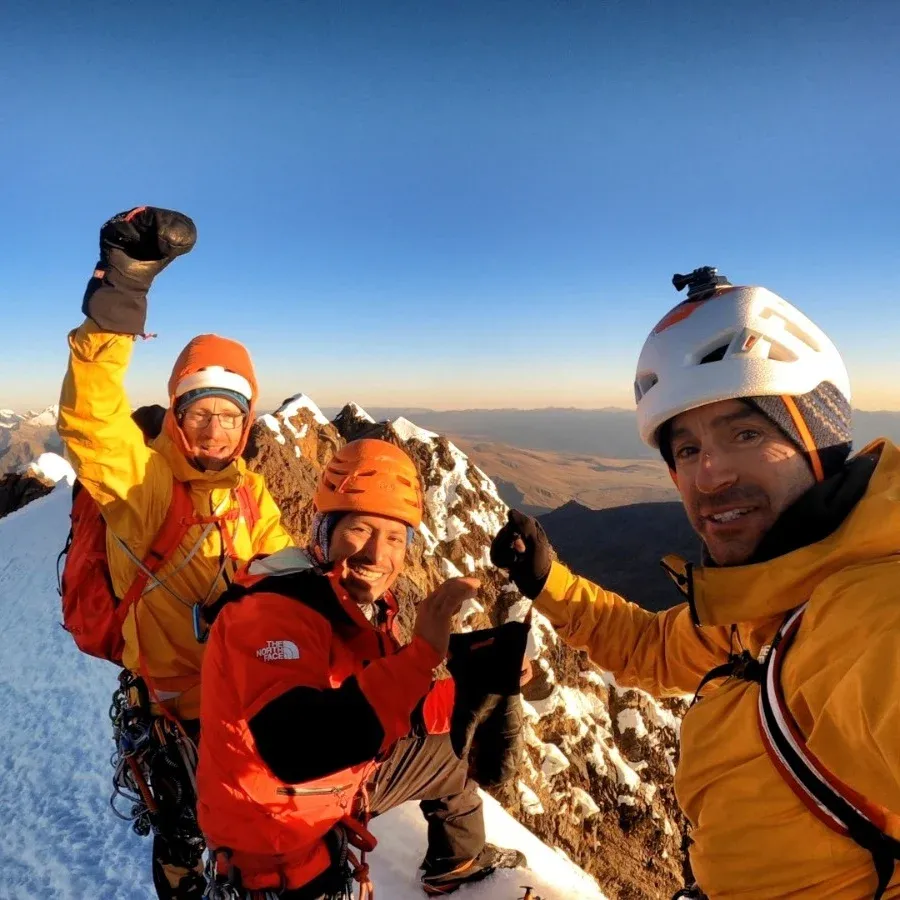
132 483
753 838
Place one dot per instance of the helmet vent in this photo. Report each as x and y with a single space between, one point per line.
791 328
644 383
780 353
715 355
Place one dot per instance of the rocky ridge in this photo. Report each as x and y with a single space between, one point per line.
597 780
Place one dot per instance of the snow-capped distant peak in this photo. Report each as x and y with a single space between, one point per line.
53 468
9 418
46 418
301 401
407 431
359 413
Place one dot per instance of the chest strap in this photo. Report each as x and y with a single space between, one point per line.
832 801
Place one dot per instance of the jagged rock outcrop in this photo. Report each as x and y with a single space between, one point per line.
597 780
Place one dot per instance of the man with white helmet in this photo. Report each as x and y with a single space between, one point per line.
790 763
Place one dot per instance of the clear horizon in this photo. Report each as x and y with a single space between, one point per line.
451 206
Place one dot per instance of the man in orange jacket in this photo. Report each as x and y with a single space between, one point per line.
748 401
315 718
212 394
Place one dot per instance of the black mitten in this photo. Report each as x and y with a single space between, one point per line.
135 246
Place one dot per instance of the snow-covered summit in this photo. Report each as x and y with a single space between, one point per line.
290 407
408 431
358 412
46 418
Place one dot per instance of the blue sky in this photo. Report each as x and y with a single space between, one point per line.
450 203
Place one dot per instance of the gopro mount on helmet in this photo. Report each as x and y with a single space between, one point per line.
701 283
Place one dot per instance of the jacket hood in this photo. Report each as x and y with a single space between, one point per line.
870 530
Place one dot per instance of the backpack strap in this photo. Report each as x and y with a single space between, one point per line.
739 665
829 799
309 586
246 508
249 508
179 518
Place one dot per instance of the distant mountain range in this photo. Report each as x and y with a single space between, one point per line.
23 438
609 432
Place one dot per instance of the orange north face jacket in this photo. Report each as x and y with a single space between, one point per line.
302 696
132 485
752 837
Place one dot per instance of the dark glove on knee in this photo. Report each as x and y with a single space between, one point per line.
487 667
135 246
521 546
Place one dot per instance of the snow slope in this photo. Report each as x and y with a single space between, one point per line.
60 838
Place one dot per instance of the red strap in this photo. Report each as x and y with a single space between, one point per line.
181 516
249 508
835 803
170 535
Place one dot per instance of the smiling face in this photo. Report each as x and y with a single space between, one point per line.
203 424
372 552
736 473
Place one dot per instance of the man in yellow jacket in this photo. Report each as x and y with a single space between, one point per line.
749 403
212 394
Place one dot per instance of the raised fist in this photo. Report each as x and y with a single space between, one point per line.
522 548
135 246
149 234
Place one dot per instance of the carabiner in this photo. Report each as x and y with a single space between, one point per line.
200 632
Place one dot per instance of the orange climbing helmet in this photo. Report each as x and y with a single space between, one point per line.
374 477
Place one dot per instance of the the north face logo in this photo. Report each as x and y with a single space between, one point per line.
278 650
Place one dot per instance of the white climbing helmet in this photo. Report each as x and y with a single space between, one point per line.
725 343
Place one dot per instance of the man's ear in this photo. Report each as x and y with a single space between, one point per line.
674 476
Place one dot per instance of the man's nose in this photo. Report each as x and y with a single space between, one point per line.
213 427
714 472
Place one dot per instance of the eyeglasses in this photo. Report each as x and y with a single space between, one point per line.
228 421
